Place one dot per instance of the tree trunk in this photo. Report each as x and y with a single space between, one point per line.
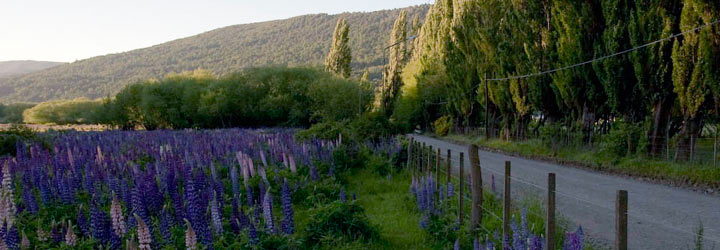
661 113
683 146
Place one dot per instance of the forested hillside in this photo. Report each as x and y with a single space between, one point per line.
13 68
296 41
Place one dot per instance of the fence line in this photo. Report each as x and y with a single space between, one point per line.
483 210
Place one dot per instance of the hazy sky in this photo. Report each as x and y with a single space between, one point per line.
69 30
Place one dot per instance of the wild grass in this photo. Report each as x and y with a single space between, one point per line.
677 173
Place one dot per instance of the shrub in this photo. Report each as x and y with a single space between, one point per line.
10 138
623 139
340 219
443 125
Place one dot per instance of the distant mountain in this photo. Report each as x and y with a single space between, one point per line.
14 68
303 40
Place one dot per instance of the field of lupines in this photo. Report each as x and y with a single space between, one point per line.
176 189
230 189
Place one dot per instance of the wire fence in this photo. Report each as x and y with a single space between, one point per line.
695 150
596 208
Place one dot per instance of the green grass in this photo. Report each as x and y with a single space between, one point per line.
676 173
389 205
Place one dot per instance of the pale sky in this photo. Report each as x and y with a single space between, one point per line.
69 30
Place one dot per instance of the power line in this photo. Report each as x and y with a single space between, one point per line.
604 57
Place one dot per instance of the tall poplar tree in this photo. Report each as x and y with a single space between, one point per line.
652 20
392 82
577 24
340 56
695 72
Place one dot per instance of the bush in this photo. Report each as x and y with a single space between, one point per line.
623 139
443 125
77 111
10 138
339 219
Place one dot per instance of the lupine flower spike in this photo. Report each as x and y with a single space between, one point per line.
118 220
25 242
190 237
143 231
70 237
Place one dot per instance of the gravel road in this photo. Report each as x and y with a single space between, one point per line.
660 217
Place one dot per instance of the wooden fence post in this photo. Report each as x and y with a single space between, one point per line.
476 184
448 167
460 188
550 219
506 200
409 151
437 167
422 158
429 159
621 220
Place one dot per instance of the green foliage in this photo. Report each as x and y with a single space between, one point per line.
443 125
273 96
14 135
78 111
302 40
13 113
339 219
340 56
392 82
623 139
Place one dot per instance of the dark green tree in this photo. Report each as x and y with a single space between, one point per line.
695 72
340 55
388 91
652 20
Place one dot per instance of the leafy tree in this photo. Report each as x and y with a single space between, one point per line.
653 20
695 73
340 55
387 94
577 24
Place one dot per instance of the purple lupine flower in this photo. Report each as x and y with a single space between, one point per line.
165 222
12 238
98 225
137 206
524 225
506 242
234 180
30 202
574 240
536 243
314 174
424 222
196 213
354 196
457 244
518 240
252 234
450 190
342 195
288 225
261 186
178 206
267 212
216 215
82 222
489 245
235 216
476 244
56 233
249 194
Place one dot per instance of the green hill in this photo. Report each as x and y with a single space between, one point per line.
302 40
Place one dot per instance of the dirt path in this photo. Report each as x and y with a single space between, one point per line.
660 217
